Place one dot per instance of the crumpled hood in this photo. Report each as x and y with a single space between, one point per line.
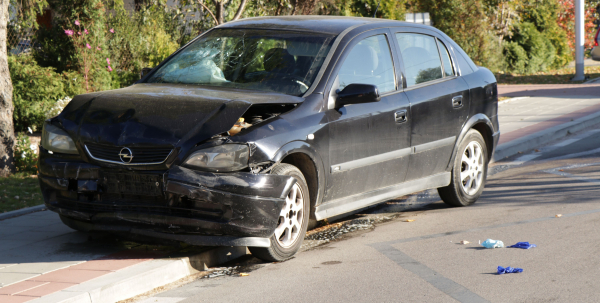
155 114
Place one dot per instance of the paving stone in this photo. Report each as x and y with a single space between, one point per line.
70 276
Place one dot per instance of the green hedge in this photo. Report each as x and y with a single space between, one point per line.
36 89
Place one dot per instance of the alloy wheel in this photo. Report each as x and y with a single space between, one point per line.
291 218
471 173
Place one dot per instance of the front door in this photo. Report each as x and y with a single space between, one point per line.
369 143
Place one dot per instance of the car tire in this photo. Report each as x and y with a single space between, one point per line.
468 172
292 222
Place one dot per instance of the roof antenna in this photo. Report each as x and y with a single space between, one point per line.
376 8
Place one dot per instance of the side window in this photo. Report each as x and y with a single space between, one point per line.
421 58
448 70
369 62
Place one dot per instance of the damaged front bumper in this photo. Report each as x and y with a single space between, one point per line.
200 208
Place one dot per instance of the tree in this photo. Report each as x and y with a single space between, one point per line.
220 7
7 135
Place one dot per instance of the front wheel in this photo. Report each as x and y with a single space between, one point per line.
292 222
468 173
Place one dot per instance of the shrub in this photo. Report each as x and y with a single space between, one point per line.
539 49
122 79
63 51
25 154
466 23
36 90
142 39
515 57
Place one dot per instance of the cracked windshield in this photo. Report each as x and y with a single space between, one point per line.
265 60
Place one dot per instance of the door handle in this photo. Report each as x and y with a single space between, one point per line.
400 116
457 102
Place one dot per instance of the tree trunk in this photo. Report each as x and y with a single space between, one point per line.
7 135
219 11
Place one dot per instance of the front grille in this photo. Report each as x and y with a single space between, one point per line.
141 155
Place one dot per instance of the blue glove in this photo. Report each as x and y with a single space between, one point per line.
508 270
523 245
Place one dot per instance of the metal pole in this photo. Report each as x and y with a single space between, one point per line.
579 32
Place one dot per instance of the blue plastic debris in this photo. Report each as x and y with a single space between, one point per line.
489 243
508 270
523 245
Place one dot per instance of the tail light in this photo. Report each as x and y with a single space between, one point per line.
596 37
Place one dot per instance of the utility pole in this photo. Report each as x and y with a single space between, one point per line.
579 35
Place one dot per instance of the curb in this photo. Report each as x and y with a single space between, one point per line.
592 81
536 139
20 212
141 278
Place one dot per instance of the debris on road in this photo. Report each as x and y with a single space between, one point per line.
523 245
463 242
243 274
409 220
558 215
222 271
508 270
489 243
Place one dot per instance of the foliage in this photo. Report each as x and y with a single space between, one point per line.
466 23
26 154
27 11
544 14
142 39
540 52
58 107
122 79
77 51
19 191
36 89
566 20
388 9
556 76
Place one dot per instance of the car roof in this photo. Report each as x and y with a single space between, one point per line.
322 24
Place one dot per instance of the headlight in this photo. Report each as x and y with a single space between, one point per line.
57 140
224 158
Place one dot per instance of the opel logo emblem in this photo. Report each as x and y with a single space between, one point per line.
126 155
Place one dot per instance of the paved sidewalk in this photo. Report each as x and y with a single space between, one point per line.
549 90
42 260
537 114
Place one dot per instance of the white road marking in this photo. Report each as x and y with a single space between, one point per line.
566 142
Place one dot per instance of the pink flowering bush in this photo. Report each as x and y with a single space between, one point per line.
83 41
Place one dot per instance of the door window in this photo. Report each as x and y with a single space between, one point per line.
369 62
448 70
421 58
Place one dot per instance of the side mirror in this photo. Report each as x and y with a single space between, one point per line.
145 71
357 93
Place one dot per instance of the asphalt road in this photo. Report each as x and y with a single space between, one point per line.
423 260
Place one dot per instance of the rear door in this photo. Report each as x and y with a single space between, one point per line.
439 100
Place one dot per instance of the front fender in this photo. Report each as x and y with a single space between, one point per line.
306 149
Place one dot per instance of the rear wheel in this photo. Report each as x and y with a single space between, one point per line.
292 222
468 173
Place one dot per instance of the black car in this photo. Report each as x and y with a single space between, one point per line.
258 128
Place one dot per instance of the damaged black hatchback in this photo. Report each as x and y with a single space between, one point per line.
258 128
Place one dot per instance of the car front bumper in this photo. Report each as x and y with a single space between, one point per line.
200 208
